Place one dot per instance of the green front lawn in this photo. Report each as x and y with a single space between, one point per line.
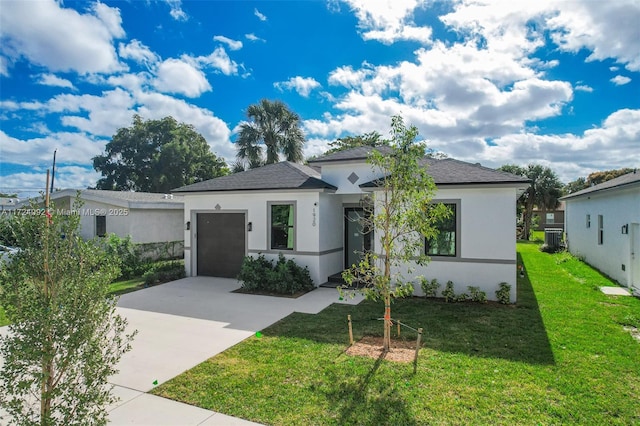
560 356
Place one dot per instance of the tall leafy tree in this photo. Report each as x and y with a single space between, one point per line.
274 125
156 156
401 216
594 178
65 337
367 139
544 191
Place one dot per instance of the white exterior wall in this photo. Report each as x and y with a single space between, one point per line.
487 242
618 207
338 175
256 205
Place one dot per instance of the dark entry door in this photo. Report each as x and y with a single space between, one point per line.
220 244
357 241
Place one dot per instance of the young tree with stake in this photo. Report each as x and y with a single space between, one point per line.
401 215
65 336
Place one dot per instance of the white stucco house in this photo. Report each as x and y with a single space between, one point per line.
602 225
307 212
148 218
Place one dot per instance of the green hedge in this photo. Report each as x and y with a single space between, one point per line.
162 272
283 277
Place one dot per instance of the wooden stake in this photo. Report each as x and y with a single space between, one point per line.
415 359
398 323
350 330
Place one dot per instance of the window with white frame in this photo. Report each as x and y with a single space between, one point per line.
551 218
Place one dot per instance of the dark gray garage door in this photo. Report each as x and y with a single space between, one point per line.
220 244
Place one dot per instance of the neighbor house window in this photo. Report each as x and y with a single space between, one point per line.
282 226
588 221
101 226
600 230
445 243
551 218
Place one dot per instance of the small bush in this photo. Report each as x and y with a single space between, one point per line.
430 288
448 293
285 277
128 259
462 297
162 272
503 294
477 295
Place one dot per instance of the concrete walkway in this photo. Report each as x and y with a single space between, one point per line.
181 324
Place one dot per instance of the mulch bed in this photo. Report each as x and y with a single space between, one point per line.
370 346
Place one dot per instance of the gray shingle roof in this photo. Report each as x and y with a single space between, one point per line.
454 172
283 175
444 172
359 153
628 179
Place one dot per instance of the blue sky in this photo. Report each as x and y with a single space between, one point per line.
548 82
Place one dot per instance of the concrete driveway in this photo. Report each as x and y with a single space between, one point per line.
181 324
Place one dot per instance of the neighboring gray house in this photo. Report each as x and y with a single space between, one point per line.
148 218
307 213
602 224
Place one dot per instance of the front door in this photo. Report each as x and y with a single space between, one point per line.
357 241
635 255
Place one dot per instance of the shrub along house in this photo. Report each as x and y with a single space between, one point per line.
309 213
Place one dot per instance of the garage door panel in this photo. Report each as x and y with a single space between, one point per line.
220 243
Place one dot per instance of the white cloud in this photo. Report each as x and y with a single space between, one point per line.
176 11
611 145
32 183
179 76
614 69
253 37
61 38
259 15
302 85
388 21
138 52
73 148
219 60
620 80
346 76
233 44
583 88
4 67
55 81
608 29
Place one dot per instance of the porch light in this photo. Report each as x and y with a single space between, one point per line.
249 227
187 225
625 229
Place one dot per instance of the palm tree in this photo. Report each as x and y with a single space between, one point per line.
273 124
544 191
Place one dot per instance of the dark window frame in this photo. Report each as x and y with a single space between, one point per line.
600 230
275 231
101 226
456 221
